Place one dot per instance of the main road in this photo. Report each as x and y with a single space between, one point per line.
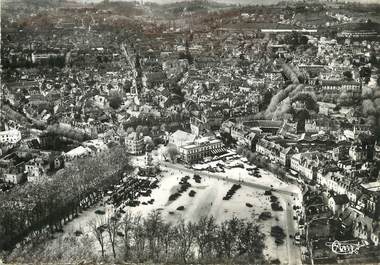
294 252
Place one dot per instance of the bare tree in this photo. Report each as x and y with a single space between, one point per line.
167 238
46 206
185 234
153 224
128 227
227 235
251 242
139 237
205 235
112 229
97 227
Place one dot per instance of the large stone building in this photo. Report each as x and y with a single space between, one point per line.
200 148
135 143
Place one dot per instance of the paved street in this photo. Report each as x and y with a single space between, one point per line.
294 252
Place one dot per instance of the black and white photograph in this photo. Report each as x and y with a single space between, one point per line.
182 132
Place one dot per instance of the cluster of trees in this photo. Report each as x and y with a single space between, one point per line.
281 103
292 73
64 130
151 239
35 209
150 135
115 100
145 130
55 61
172 121
365 74
295 39
252 157
172 152
371 105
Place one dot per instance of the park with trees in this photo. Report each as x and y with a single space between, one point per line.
34 211
133 238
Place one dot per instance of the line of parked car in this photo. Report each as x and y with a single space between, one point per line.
129 189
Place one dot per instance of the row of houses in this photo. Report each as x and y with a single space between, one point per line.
307 163
15 169
275 151
355 215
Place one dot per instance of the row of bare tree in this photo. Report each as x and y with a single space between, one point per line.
37 208
290 73
132 238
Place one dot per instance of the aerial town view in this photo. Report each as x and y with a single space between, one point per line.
190 132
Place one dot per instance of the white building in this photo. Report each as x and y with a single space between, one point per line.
77 152
10 137
135 143
180 138
338 203
101 101
200 148
35 170
356 152
13 177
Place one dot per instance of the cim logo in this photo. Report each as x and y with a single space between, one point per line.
345 247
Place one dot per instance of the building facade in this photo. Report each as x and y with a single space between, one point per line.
10 136
135 143
201 148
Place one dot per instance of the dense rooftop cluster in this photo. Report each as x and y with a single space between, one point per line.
295 86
